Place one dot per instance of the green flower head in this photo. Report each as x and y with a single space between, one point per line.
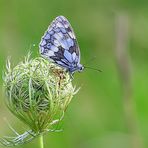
38 93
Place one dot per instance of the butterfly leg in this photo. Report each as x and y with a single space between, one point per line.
71 76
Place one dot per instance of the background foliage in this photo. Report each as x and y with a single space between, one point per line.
95 117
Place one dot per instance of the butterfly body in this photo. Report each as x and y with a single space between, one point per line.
60 46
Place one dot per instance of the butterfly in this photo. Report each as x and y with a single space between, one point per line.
60 46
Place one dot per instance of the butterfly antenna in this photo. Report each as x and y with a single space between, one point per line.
93 68
90 60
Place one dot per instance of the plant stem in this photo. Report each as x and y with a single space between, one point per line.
41 142
125 73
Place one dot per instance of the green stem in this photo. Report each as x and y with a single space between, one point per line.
41 141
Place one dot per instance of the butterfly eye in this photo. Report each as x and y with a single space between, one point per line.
81 68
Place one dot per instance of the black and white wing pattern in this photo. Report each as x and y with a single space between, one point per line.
60 46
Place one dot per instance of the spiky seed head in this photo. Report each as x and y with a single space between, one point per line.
38 92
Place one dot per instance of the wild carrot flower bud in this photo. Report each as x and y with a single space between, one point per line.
38 93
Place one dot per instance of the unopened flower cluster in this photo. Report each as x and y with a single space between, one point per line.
38 93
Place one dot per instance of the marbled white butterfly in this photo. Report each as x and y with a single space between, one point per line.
60 46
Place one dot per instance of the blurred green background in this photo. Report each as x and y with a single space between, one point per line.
96 117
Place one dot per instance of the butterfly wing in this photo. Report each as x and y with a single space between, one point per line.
59 44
